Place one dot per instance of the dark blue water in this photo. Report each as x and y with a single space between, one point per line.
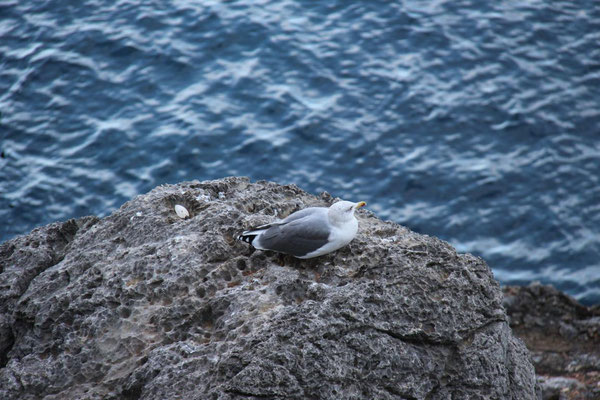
478 122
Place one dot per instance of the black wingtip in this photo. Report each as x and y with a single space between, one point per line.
246 238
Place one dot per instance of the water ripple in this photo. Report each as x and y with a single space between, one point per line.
474 122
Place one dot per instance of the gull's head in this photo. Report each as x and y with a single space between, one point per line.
344 210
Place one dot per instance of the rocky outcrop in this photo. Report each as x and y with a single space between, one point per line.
144 304
563 337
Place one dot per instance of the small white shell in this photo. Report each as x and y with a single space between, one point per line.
181 211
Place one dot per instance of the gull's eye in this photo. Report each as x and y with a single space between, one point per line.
350 209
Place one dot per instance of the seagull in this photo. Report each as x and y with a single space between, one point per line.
308 233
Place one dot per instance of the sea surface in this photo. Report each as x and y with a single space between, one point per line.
477 122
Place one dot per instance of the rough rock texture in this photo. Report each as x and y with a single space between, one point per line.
143 304
563 337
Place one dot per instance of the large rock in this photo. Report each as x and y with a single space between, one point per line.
143 304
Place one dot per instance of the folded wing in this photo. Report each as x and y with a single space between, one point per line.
298 237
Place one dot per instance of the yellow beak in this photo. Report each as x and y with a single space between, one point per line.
360 204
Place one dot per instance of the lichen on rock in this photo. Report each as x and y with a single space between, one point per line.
144 304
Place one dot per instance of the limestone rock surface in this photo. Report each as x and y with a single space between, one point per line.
144 304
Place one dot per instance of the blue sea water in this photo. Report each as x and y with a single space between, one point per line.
478 122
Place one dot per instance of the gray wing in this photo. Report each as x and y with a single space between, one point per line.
299 236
